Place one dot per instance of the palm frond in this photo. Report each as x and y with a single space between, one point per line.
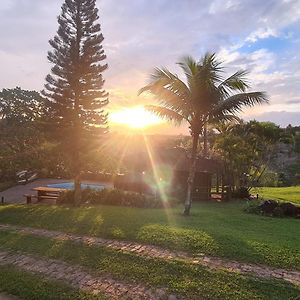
224 119
169 90
236 102
203 85
210 68
236 82
189 66
165 78
166 113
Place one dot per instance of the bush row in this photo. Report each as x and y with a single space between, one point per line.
273 208
116 197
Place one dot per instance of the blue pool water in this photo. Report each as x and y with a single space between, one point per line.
70 186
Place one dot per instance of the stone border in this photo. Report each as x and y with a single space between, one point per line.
157 252
78 277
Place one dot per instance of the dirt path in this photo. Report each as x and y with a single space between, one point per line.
157 252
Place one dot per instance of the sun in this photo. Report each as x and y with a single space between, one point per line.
135 117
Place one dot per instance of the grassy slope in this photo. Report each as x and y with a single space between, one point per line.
195 282
214 229
289 194
33 287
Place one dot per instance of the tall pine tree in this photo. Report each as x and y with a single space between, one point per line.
74 88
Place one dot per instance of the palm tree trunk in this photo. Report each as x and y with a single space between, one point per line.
192 172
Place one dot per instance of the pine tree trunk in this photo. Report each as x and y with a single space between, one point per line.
205 143
77 190
77 171
78 132
192 172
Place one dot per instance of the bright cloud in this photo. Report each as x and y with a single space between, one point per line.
261 33
261 36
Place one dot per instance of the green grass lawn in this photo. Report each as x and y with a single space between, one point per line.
29 286
288 194
218 229
194 282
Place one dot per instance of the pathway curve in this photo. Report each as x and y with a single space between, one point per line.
4 296
157 252
78 277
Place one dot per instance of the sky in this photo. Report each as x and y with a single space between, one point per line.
261 36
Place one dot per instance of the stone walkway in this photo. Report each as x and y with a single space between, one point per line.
78 277
157 252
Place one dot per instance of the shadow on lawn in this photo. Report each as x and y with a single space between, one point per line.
213 229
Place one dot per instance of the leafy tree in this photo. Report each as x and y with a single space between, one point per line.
297 142
20 106
247 149
205 97
75 86
21 112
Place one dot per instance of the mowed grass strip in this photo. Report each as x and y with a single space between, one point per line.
284 194
194 282
29 286
216 229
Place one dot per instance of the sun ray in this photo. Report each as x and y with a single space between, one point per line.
158 180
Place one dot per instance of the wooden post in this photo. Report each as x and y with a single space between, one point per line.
222 197
28 199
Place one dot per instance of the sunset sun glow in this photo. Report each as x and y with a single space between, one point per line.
135 117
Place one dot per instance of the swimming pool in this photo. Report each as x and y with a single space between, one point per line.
70 186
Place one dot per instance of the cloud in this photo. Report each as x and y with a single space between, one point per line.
295 101
261 33
142 34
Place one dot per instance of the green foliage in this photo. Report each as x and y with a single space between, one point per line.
20 133
117 198
273 208
269 178
246 149
252 207
18 106
74 89
297 142
205 97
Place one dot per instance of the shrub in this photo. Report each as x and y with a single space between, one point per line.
116 197
180 238
253 207
241 193
273 208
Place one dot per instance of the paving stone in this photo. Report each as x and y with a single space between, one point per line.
76 276
157 252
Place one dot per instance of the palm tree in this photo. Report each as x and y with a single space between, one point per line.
205 97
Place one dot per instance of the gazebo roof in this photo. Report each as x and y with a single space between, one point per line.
178 159
202 165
